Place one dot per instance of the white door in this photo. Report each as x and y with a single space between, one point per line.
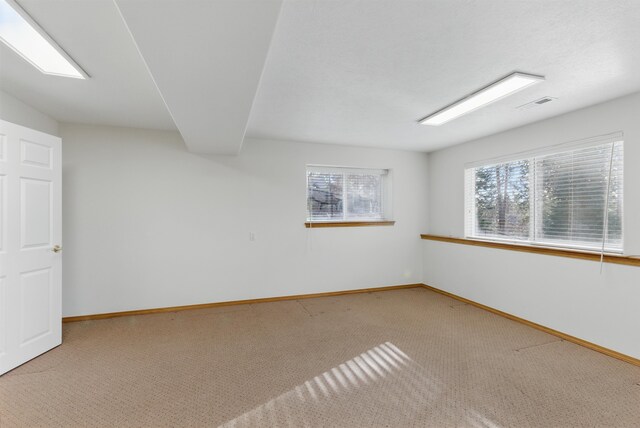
30 234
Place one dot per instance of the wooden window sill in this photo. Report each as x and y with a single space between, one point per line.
549 251
316 224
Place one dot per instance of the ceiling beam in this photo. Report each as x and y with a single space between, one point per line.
206 58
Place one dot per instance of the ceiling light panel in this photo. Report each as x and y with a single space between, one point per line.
27 39
485 96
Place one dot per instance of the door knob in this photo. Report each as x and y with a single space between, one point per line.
56 248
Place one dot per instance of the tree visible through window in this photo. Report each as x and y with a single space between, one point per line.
340 194
557 198
325 195
502 200
572 189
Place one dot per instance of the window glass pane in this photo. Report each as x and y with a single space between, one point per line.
562 198
364 196
502 200
324 196
615 208
571 196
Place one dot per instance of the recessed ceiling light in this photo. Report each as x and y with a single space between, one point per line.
27 39
497 90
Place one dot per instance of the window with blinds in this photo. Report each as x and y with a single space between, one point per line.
347 194
568 197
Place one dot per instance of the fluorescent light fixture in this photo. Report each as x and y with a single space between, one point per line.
497 90
27 39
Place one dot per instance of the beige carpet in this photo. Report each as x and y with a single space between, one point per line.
395 358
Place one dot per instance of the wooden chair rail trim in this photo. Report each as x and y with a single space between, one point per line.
233 302
549 251
314 224
611 353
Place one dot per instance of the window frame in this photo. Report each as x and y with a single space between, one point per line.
470 220
344 221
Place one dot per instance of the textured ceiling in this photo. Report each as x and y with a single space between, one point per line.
340 72
120 90
363 72
206 58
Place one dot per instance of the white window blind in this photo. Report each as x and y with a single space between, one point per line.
346 194
556 198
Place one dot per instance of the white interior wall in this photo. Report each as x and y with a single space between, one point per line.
148 224
15 111
564 294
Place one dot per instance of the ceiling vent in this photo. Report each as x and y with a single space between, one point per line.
536 103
